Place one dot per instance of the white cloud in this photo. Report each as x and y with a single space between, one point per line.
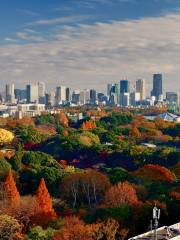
93 55
60 20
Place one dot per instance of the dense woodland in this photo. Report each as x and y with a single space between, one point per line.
92 179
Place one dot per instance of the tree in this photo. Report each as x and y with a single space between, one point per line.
122 193
44 201
11 191
109 230
86 187
29 134
154 172
4 167
74 229
38 233
135 133
5 136
116 174
10 229
62 119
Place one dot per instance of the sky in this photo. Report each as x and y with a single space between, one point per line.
89 43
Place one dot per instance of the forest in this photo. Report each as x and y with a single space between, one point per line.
96 178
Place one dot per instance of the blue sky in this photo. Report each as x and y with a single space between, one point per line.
88 43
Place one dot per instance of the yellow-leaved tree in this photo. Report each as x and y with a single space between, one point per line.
5 136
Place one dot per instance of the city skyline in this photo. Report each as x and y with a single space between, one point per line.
89 43
138 85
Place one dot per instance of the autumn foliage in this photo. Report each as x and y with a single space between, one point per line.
11 191
44 201
74 229
154 172
88 125
122 193
62 118
5 136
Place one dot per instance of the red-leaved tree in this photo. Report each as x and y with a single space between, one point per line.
122 193
11 191
45 211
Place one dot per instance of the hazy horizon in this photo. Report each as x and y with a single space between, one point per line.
89 43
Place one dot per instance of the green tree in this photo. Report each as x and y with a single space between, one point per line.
38 233
4 167
116 174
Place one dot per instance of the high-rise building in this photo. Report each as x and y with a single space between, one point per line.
50 99
68 94
32 93
41 89
60 95
172 97
124 86
124 93
157 90
140 88
10 97
84 96
134 98
109 89
41 92
76 97
93 96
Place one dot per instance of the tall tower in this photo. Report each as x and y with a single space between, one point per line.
141 88
124 86
10 97
124 93
32 93
60 94
157 91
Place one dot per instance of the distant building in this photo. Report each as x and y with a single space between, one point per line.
135 98
157 90
76 97
60 95
68 94
41 92
93 96
124 93
109 88
141 88
50 99
20 94
32 93
29 110
10 97
84 97
172 97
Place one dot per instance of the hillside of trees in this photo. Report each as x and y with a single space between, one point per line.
93 179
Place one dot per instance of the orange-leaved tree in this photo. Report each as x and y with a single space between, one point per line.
154 172
74 229
11 191
122 193
44 202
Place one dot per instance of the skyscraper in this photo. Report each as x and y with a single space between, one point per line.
93 96
60 94
140 88
10 97
124 86
68 94
41 92
124 93
109 88
32 93
157 91
172 97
